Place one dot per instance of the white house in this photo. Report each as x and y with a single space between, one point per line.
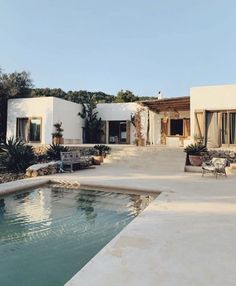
213 114
208 113
32 119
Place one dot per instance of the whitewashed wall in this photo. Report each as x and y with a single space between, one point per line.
51 110
67 112
31 107
116 111
211 97
123 112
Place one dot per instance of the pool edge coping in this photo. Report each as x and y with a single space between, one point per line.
19 185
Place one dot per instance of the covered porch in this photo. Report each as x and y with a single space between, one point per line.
174 120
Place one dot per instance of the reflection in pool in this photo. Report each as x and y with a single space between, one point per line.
49 233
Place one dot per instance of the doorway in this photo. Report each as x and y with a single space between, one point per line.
118 133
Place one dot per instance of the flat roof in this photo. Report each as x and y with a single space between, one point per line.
168 104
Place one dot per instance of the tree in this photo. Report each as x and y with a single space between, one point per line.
125 96
45 92
12 85
93 124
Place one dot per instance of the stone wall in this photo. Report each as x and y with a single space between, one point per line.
229 155
42 149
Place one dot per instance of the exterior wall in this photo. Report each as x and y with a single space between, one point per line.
221 97
31 107
122 112
67 112
51 110
116 111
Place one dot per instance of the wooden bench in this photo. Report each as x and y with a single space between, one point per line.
75 158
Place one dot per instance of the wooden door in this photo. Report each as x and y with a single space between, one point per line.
164 130
127 132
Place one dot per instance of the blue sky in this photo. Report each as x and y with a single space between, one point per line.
141 45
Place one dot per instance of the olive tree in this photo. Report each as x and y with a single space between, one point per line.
12 85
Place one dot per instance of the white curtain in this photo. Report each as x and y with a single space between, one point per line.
23 129
213 129
154 128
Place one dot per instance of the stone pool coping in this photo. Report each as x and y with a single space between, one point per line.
21 185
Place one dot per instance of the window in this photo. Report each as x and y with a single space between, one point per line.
176 127
29 129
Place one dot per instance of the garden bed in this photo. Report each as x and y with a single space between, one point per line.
6 177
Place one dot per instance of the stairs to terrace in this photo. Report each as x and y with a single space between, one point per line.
159 159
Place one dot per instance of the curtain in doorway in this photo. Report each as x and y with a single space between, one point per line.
23 129
155 128
212 129
224 133
232 128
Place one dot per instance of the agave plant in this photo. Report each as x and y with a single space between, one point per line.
54 151
196 149
17 156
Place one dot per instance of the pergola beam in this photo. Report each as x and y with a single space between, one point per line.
177 104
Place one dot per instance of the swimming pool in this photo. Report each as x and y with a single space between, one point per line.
49 233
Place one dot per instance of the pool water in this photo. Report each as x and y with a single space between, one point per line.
49 233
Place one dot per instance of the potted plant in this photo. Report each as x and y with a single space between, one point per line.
95 156
195 152
58 135
102 151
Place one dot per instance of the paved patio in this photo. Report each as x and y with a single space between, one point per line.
186 236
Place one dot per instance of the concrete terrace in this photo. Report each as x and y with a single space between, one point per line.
186 236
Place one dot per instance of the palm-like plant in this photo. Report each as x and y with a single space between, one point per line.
196 149
102 149
54 151
17 156
93 124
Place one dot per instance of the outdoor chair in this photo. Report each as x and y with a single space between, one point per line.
215 166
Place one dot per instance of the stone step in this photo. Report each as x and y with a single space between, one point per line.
155 159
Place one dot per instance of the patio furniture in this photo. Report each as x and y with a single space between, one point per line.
215 166
75 158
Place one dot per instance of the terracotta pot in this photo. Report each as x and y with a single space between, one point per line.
140 142
58 140
97 160
195 160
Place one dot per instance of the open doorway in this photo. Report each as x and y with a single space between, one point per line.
118 132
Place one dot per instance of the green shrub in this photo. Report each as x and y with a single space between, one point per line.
17 156
103 150
196 149
54 151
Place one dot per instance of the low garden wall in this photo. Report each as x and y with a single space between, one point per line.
229 155
42 149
